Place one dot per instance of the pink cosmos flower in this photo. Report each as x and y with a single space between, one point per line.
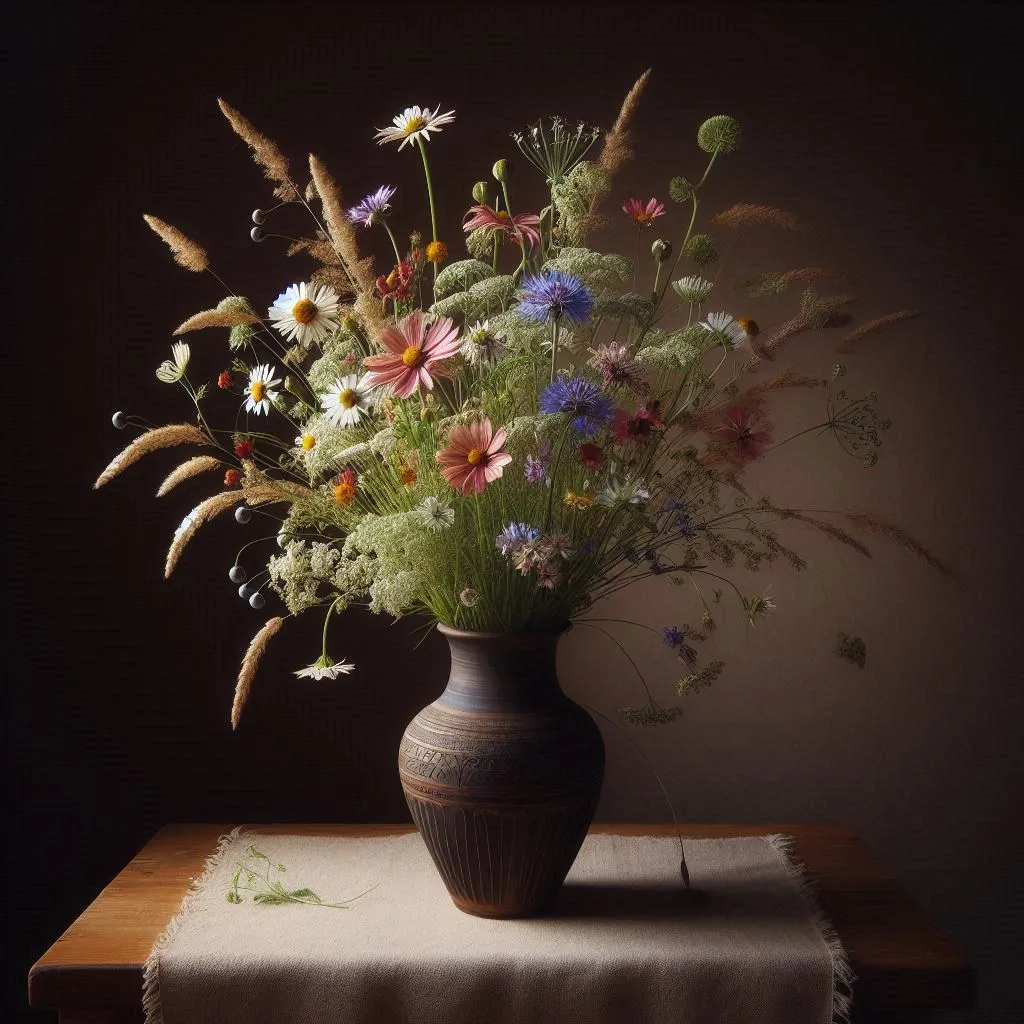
637 427
415 350
473 458
523 226
738 439
643 214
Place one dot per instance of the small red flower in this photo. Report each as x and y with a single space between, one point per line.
591 455
345 485
637 427
224 380
243 449
232 477
738 439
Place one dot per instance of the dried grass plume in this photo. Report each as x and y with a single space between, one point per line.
187 470
855 337
203 513
250 663
217 318
151 441
617 150
264 152
870 523
342 232
745 215
186 253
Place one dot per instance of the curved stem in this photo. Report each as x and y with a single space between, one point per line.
430 194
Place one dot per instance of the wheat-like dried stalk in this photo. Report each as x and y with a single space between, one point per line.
788 379
339 227
151 441
617 149
805 275
203 513
745 215
249 665
870 523
833 531
217 318
264 152
187 470
853 339
186 253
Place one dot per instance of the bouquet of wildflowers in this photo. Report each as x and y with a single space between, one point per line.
499 438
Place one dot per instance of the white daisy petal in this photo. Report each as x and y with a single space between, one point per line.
305 313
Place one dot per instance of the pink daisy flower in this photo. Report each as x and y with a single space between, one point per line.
643 214
473 458
523 226
415 348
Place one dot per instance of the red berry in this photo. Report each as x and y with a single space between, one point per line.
232 477
224 380
243 449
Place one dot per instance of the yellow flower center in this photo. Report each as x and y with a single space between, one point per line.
407 475
749 326
414 124
257 390
348 398
344 493
412 356
308 441
437 252
503 215
304 311
475 456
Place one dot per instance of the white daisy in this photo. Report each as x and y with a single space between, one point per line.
692 289
324 668
305 313
482 345
259 393
348 401
412 124
433 515
171 372
728 332
623 492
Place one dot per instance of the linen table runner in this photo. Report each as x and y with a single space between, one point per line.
627 945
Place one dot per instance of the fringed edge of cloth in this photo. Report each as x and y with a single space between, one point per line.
151 1006
843 976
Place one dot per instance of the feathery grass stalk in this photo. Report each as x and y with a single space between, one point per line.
247 672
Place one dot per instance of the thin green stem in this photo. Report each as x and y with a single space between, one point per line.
430 194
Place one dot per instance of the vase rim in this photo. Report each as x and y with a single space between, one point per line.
468 634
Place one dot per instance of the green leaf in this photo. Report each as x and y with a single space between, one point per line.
305 894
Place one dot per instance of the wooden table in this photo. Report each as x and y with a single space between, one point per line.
905 966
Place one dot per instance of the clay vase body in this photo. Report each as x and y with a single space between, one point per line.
502 774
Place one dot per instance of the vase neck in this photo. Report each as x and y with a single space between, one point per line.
502 672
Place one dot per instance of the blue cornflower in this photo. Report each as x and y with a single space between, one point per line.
672 505
581 399
686 526
370 207
555 295
514 536
673 636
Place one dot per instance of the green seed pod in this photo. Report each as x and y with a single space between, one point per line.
681 189
720 133
480 191
702 249
500 170
661 250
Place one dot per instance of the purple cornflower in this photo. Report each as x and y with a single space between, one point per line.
673 636
686 526
554 295
535 470
671 505
582 400
368 209
514 536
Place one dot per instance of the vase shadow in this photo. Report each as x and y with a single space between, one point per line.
582 900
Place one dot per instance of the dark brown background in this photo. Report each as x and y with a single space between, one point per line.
891 129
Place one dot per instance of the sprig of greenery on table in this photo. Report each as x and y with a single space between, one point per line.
267 889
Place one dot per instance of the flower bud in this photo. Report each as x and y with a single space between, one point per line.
224 380
661 250
480 191
257 234
258 216
232 477
500 170
119 420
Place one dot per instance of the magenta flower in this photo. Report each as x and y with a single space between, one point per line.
643 215
473 458
415 348
523 226
738 439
